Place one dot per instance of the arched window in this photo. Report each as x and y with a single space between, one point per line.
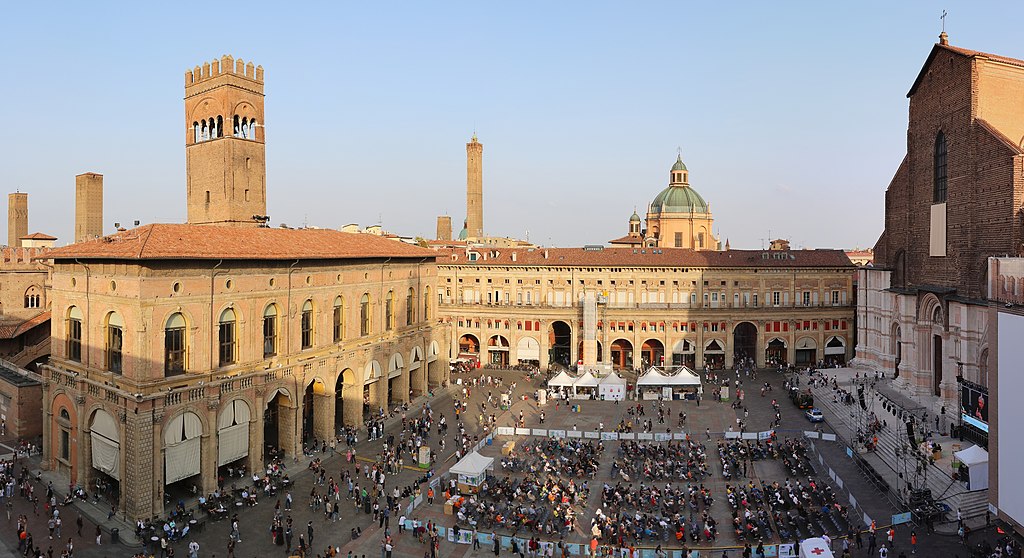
307 325
33 297
252 129
426 303
220 126
389 311
197 135
74 334
270 330
339 319
236 131
364 315
114 340
226 337
175 345
410 307
939 188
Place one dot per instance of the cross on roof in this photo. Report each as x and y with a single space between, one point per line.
817 551
943 18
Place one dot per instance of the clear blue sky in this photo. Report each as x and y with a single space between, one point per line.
791 116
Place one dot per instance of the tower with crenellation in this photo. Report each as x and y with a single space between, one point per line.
224 143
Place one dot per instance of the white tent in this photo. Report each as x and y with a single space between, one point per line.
653 377
612 387
976 460
472 470
587 383
563 379
682 377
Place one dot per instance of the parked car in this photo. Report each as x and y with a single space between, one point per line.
814 415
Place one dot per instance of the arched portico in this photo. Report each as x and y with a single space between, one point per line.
348 400
417 372
279 423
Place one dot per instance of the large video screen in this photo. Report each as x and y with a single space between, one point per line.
974 407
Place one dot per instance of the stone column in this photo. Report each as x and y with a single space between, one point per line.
323 416
352 405
288 427
402 383
545 350
418 377
49 458
137 466
256 434
209 451
155 488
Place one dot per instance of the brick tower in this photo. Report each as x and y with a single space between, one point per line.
474 189
444 227
224 143
17 218
88 206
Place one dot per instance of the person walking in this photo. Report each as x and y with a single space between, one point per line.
309 532
497 545
913 542
193 549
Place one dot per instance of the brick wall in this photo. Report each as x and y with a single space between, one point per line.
984 179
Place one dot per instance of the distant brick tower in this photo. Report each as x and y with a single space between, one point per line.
17 218
224 143
88 206
474 189
444 227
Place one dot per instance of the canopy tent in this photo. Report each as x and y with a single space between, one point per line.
667 383
612 387
653 377
563 379
587 380
976 460
471 471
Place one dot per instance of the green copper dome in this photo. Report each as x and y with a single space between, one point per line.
463 234
634 218
679 166
679 198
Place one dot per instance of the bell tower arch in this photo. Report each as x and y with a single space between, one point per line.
225 149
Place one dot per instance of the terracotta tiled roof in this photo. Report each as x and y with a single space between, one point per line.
628 239
39 236
10 331
648 257
963 52
205 242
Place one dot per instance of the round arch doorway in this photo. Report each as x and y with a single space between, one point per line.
344 386
775 353
744 341
277 416
560 341
652 353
